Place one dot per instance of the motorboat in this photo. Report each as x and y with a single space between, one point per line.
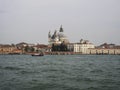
38 54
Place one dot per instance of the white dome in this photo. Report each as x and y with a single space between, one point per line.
58 37
61 35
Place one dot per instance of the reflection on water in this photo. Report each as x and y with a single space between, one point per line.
70 72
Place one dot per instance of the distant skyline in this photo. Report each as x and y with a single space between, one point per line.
30 20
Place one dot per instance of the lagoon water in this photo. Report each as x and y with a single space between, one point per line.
60 72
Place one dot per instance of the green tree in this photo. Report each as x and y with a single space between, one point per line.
32 49
26 49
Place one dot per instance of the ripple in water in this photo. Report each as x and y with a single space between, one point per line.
70 72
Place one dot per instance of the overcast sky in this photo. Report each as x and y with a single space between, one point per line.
30 20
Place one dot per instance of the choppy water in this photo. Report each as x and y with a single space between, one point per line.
70 72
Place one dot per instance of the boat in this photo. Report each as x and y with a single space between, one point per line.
38 54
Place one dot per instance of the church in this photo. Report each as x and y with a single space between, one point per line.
58 37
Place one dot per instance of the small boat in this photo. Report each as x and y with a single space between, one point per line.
38 54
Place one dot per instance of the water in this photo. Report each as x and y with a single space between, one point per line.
70 72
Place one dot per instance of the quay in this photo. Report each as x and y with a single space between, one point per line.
95 52
60 53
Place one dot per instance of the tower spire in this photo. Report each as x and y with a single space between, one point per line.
49 34
61 29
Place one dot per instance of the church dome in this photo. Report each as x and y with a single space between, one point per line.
58 37
61 35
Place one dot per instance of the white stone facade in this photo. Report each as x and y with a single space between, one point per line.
81 47
57 37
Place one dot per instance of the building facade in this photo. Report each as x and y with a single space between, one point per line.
58 37
81 47
105 49
9 49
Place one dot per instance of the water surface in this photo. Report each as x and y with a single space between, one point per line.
60 72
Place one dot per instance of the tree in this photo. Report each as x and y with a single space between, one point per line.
26 48
32 49
61 47
29 49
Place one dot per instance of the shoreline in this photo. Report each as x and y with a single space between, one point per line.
58 53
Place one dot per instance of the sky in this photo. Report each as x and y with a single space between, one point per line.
30 20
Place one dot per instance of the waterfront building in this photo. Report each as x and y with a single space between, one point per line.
9 49
85 47
22 44
105 49
81 47
41 48
58 37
